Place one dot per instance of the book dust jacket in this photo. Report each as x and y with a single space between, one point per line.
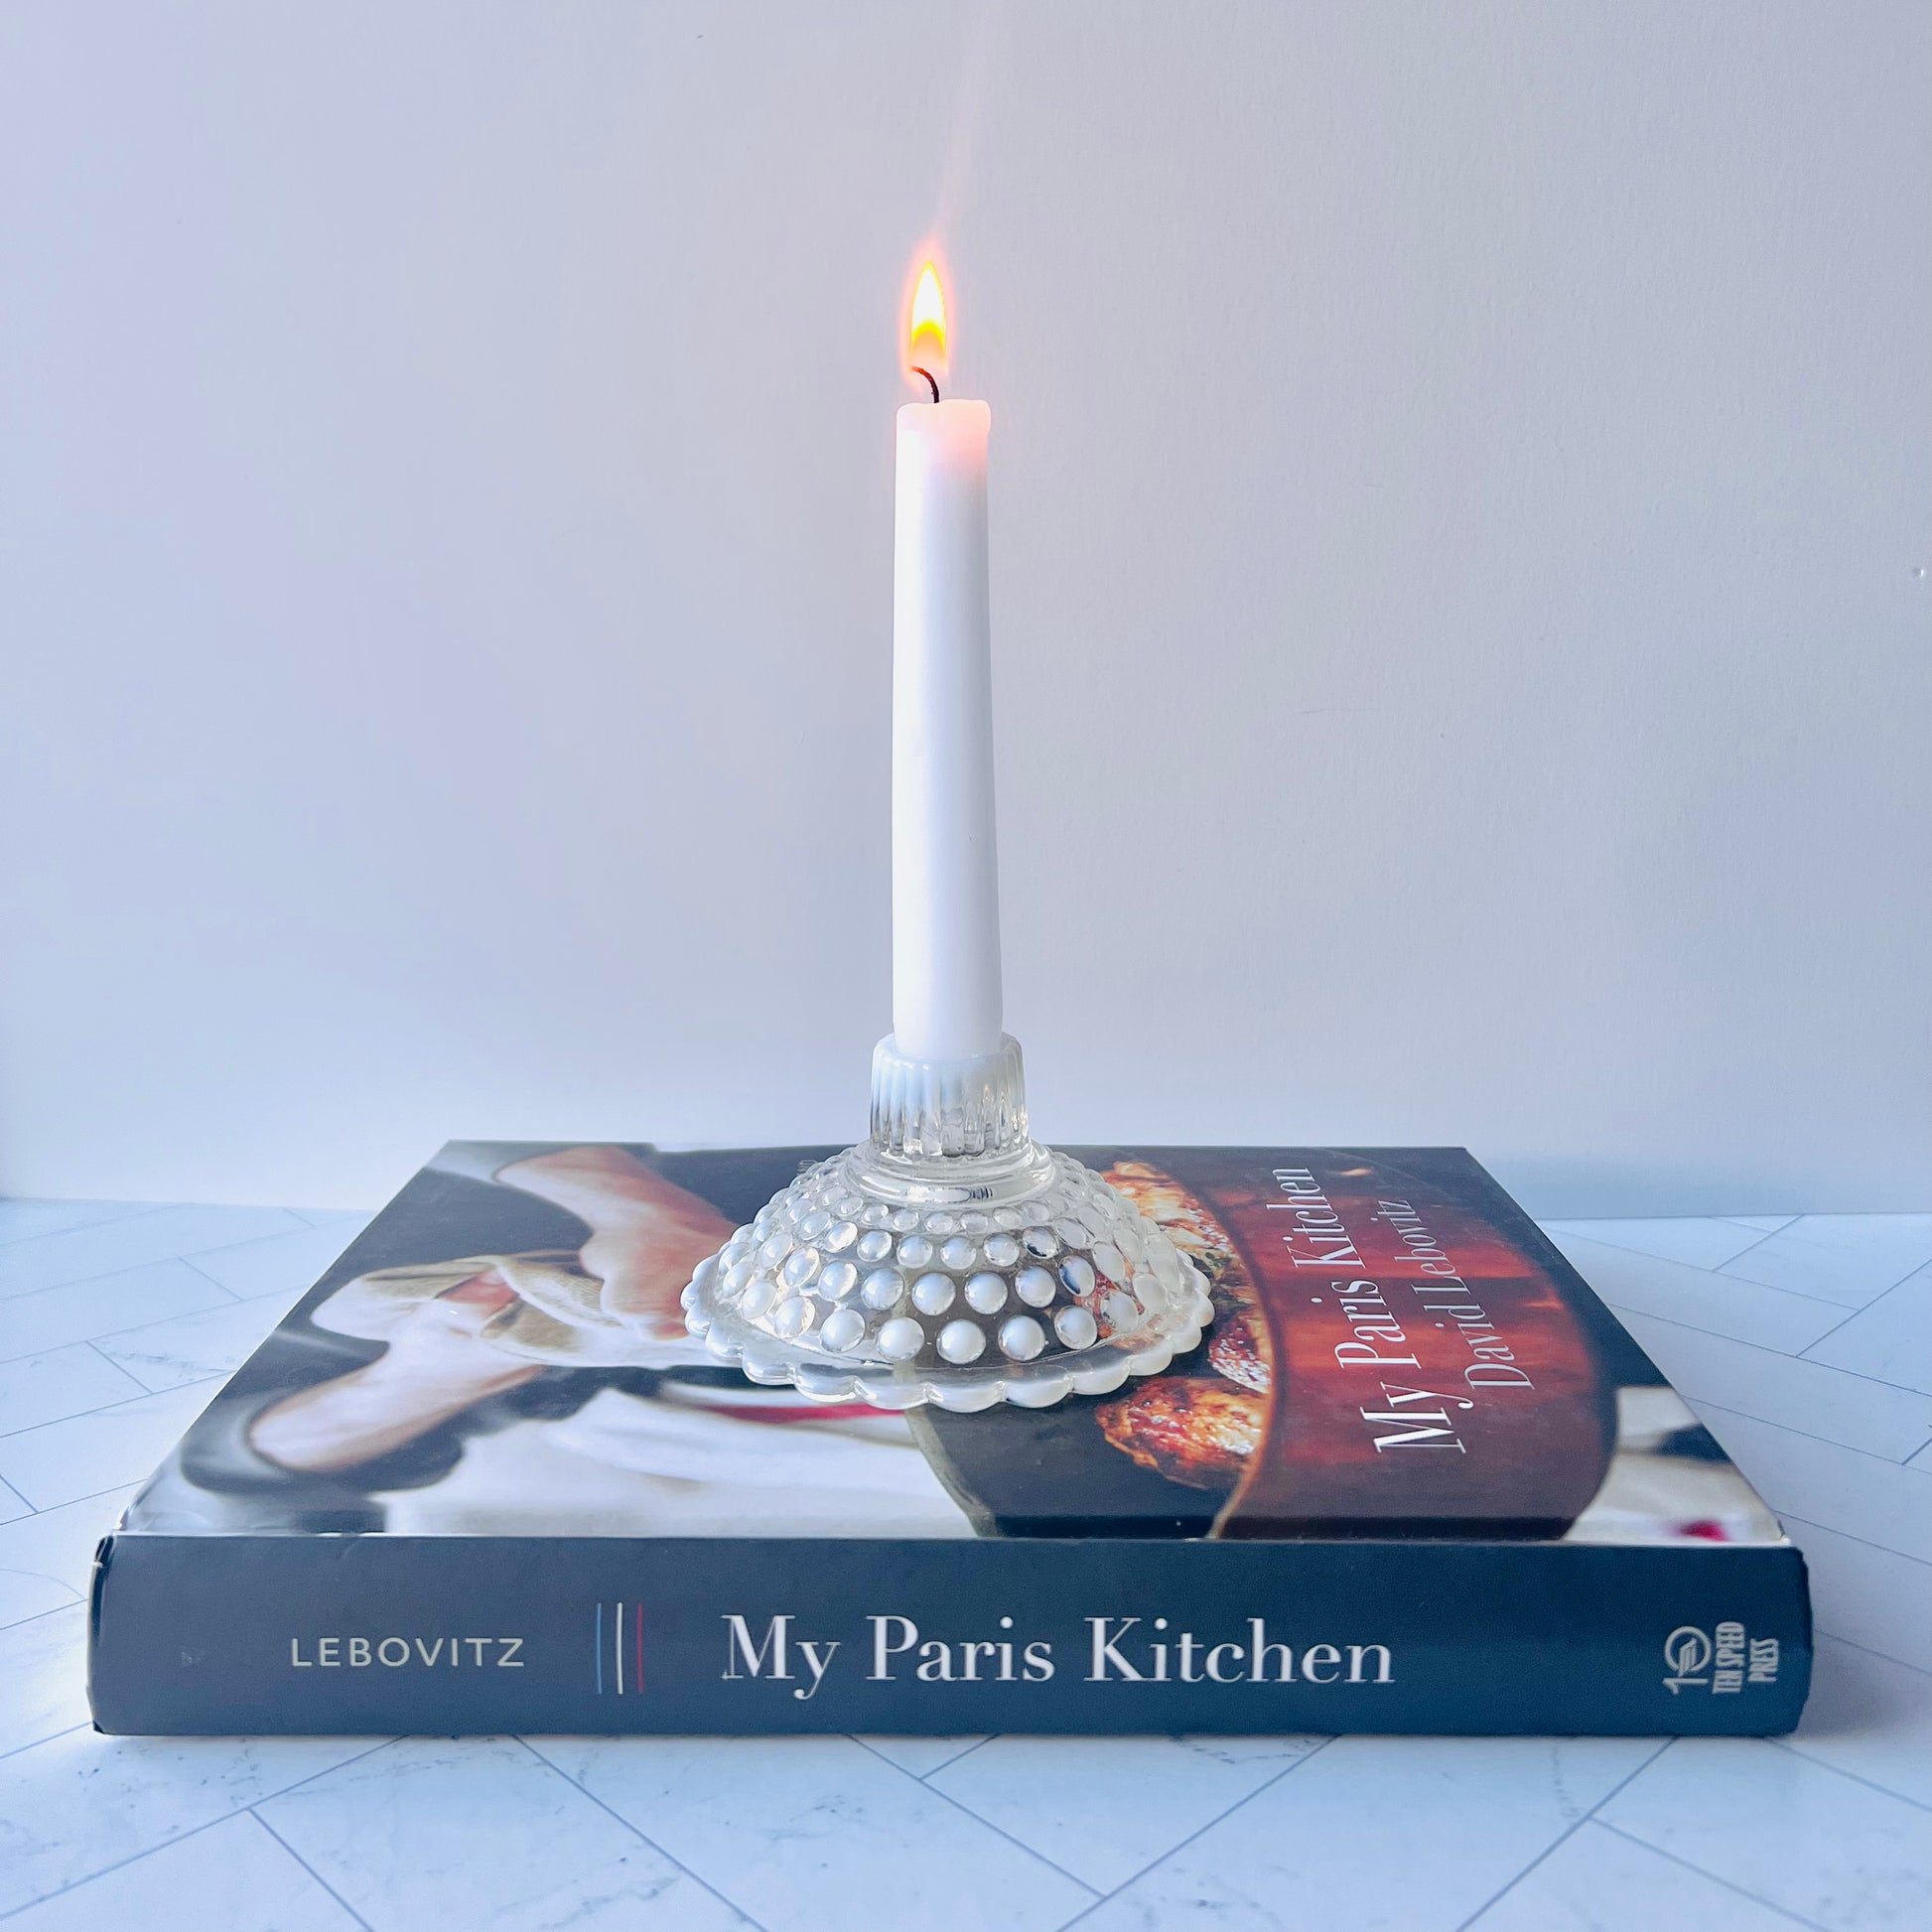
1416 1477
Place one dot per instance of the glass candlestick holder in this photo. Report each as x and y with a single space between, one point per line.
949 1257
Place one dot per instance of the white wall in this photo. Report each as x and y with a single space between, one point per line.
1460 528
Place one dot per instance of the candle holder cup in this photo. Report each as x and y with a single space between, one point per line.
949 1257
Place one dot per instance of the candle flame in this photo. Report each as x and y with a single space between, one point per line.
925 334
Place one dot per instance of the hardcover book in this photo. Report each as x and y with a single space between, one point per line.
1415 1478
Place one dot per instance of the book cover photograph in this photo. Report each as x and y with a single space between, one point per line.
1412 1475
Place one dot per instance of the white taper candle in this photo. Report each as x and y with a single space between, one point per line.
945 860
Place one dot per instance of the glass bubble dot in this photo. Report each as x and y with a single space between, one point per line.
776 1249
961 1342
814 1224
985 1292
758 1297
792 1317
1021 1338
840 1236
959 1251
932 1294
975 1223
1106 1258
874 1245
943 1223
901 1338
838 1279
882 1289
844 1328
1040 1242
1077 1271
916 1251
1120 1312
800 1266
1035 1286
1002 1250
1077 1328
737 1276
905 1219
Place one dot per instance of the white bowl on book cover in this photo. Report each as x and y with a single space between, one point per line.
948 1259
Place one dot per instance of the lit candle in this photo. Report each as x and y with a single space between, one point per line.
945 862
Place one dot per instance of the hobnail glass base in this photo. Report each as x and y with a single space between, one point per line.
948 1259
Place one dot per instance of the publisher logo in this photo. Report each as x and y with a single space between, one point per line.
1722 1661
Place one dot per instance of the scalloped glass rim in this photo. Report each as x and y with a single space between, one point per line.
1005 1257
884 1385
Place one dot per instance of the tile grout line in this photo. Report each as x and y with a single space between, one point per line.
381 1743
1865 1542
1565 1836
1717 1273
92 1346
120 1865
133 1483
77 1415
1133 1877
1825 1765
1803 1434
1729 1884
1852 1644
1884 1655
14 1623
854 1738
141 1213
1776 1354
34 1616
1751 1247
194 1831
1738 1281
185 1259
954 1759
15 1750
637 1832
1624 1308
1917 1267
308 1868
211 1382
966 1811
1883 1295
221 1286
135 1210
1804 1354
1622 1248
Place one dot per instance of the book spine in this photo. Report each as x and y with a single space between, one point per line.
333 1634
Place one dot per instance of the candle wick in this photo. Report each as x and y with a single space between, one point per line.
928 373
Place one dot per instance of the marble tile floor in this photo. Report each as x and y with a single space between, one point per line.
1804 1342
